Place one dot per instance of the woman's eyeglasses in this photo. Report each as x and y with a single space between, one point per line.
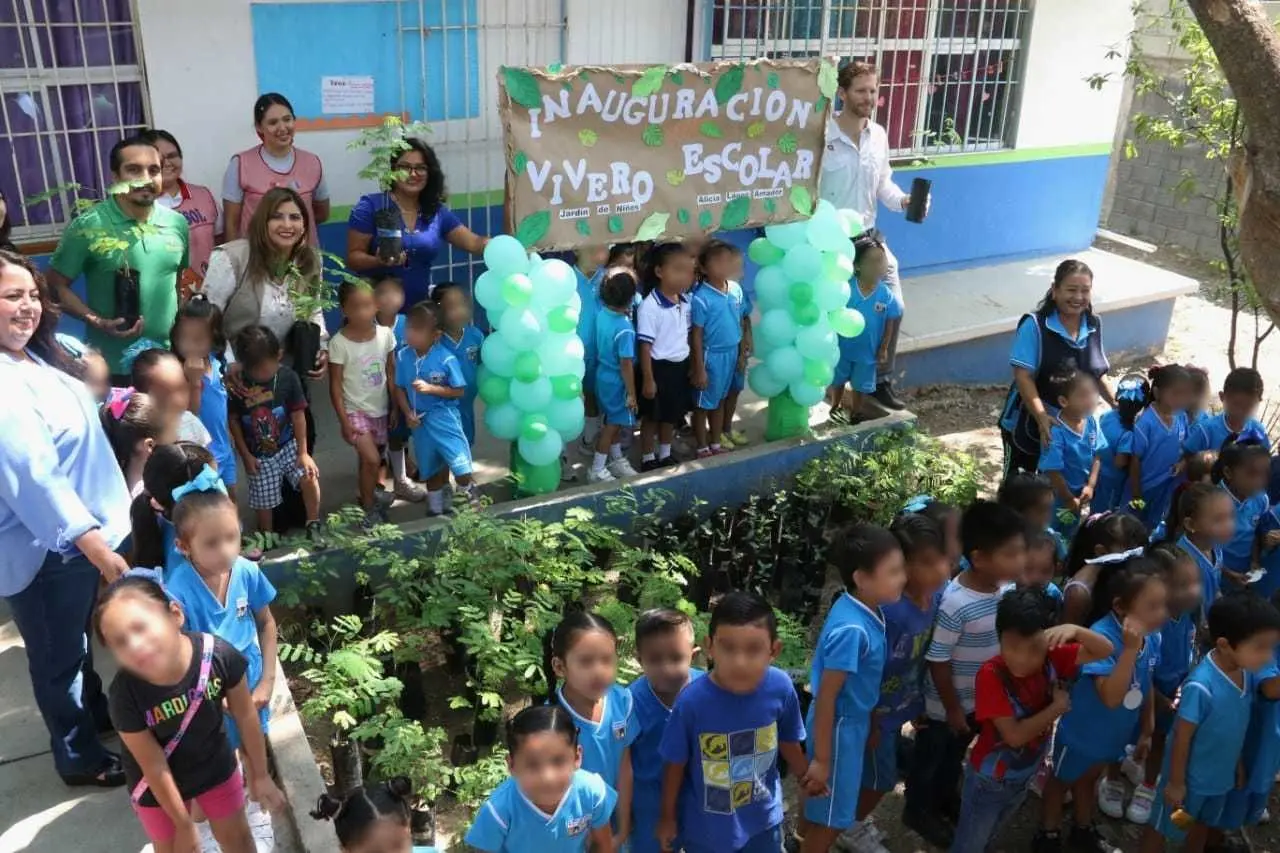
416 171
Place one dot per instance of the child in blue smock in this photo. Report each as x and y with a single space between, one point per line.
429 387
388 295
721 261
725 736
1110 701
615 375
1246 805
372 819
1156 464
221 593
170 468
588 267
715 342
1071 461
197 340
1214 707
1117 425
582 660
664 649
845 677
1241 471
1198 403
1269 557
549 804
861 356
1241 396
461 338
1202 524
1030 495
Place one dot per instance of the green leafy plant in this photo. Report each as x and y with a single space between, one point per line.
384 143
111 244
348 681
409 749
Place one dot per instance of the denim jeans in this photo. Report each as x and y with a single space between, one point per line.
986 804
52 615
933 781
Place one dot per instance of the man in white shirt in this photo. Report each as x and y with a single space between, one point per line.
856 174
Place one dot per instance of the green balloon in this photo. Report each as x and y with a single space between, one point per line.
807 395
563 319
806 314
566 417
495 390
777 328
847 322
764 383
542 451
531 397
528 366
566 387
818 372
517 290
764 253
801 293
503 421
498 356
785 364
837 267
534 427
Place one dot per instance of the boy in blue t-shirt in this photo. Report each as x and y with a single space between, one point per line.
861 356
615 376
665 649
1071 461
588 266
724 738
461 338
1241 396
429 385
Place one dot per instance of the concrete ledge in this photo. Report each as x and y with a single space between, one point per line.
297 774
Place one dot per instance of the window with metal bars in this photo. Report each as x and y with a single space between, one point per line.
950 70
71 86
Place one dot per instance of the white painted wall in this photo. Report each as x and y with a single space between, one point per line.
605 32
1069 41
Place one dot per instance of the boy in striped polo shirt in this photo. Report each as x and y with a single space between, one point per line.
994 538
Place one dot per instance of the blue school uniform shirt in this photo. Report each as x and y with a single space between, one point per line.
907 629
877 310
1212 431
1158 447
213 414
397 329
728 744
1177 654
1220 711
1110 478
1262 742
1267 585
439 366
589 294
233 619
1092 728
615 340
646 761
719 315
466 349
509 823
1237 555
852 641
1210 572
604 742
1071 453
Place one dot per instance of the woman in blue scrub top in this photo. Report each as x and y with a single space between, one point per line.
418 198
1062 329
64 513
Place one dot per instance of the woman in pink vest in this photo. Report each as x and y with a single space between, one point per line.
196 203
274 163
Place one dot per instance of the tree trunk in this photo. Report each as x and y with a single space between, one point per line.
1248 49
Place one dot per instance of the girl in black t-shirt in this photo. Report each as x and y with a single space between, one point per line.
166 704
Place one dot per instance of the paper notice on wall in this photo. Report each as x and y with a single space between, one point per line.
606 155
346 95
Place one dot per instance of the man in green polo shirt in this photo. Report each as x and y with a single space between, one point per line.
157 251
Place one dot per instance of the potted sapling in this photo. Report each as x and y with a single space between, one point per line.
384 143
417 754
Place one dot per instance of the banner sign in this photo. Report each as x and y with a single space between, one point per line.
609 155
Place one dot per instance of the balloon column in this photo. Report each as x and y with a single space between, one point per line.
803 292
532 364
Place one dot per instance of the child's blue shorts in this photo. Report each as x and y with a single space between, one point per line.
860 375
440 441
721 365
1070 763
589 378
739 381
611 395
467 411
1208 810
839 809
880 770
1243 808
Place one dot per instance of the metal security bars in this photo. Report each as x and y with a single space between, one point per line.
71 86
950 70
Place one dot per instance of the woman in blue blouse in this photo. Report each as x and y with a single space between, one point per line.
64 512
1062 329
418 198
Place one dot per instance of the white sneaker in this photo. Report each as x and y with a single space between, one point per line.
1111 797
603 475
1265 817
1139 811
621 468
1133 771
411 492
861 839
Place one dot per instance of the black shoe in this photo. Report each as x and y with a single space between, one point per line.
668 462
1089 839
111 775
930 827
884 396
1045 841
650 465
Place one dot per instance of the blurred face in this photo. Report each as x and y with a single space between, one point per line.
951 530
414 173
212 542
1184 587
883 585
421 335
1040 566
590 664
742 654
1150 606
384 836
97 376
457 309
543 765
264 370
1082 399
1176 397
1251 476
1215 521
20 308
873 266
193 338
140 168
360 308
1024 655
929 569
144 635
676 274
1254 652
1200 397
276 127
167 385
591 258
170 162
1003 564
1072 295
724 266
666 658
860 98
1239 406
1039 515
286 228
390 298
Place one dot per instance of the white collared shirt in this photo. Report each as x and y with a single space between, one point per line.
664 325
855 174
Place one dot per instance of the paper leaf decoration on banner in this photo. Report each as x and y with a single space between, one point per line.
772 80
736 213
705 219
755 130
652 135
519 161
729 84
522 87
820 104
675 177
584 228
827 79
533 228
682 216
615 224
653 226
801 200
649 82
770 206
711 130
787 143
588 138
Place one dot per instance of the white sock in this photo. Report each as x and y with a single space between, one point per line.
598 461
715 446
664 450
435 501
398 463
590 429
648 457
615 451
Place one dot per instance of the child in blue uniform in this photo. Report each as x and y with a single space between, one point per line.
1041 568
716 341
1246 805
1269 556
429 385
1213 713
1241 396
615 375
1099 536
461 338
725 735
1156 463
1241 471
169 468
1111 700
845 678
1198 403
1071 460
581 664
197 340
665 649
1030 495
388 295
861 357
1117 424
549 804
372 819
1202 525
588 266
722 262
